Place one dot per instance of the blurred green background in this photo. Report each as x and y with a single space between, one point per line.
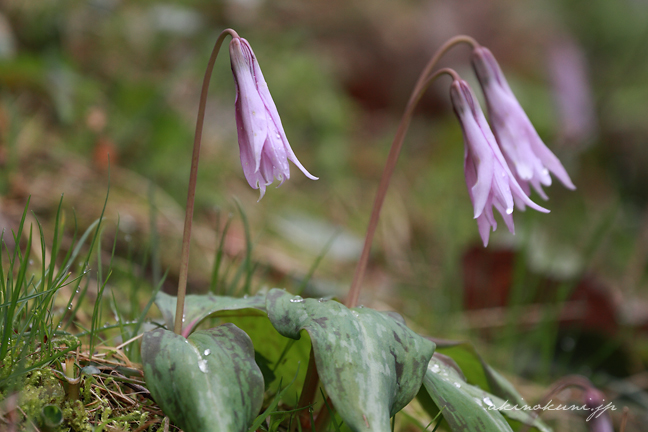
568 294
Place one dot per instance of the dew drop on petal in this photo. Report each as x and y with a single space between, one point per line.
509 210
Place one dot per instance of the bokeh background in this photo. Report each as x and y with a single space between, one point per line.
105 92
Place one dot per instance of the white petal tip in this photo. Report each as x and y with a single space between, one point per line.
262 192
306 173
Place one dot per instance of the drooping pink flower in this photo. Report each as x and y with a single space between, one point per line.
528 157
488 177
598 419
263 145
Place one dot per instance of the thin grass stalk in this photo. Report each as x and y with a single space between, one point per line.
311 271
214 285
67 259
247 264
55 246
155 236
16 288
86 262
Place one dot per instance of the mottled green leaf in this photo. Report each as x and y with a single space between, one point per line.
478 372
208 382
287 358
468 407
370 363
249 316
514 415
460 409
199 307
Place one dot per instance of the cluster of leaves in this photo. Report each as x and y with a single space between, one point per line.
370 363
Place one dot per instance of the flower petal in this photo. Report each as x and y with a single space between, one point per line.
488 176
478 156
249 104
525 152
273 114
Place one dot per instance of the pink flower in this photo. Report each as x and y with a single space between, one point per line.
488 177
598 418
264 148
526 154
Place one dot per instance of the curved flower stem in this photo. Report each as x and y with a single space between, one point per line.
558 386
422 84
312 378
193 176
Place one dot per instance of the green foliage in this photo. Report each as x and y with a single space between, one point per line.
477 372
208 382
74 56
460 408
31 336
467 392
199 307
370 363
